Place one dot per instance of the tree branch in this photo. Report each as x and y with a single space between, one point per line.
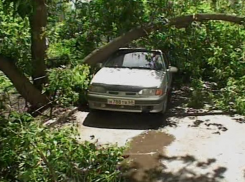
187 19
104 52
22 83
46 162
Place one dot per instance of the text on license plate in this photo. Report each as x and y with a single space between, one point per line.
120 102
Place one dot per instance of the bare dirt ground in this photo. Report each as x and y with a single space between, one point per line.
186 145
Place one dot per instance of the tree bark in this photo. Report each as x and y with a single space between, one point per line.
27 90
182 21
104 52
38 22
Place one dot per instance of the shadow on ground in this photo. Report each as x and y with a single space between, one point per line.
188 169
119 120
139 121
178 108
150 164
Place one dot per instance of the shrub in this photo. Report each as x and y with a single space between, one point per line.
232 96
32 152
69 85
197 97
6 88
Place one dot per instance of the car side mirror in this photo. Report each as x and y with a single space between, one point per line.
99 65
173 69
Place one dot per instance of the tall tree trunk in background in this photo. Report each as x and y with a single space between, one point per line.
38 22
105 51
26 89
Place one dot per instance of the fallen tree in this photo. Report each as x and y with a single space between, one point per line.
33 94
22 84
104 52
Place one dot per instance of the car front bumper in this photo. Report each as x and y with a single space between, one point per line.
151 104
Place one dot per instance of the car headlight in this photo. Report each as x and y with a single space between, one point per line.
98 89
151 92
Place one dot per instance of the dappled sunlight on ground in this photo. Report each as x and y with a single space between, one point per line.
218 137
185 145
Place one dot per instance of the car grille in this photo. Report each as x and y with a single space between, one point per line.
122 88
122 93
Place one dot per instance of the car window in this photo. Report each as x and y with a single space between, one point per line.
140 60
160 63
166 61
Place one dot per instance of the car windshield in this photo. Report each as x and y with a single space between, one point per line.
136 60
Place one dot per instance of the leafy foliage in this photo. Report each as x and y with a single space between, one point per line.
205 51
22 7
31 152
15 39
6 88
69 86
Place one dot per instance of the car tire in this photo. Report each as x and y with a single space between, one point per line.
93 111
165 106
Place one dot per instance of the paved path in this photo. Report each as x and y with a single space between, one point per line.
183 146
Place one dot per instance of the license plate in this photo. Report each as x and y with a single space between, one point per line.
120 102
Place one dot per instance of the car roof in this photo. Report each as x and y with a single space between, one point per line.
139 49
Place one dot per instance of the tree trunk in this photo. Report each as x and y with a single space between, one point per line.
104 52
38 22
22 84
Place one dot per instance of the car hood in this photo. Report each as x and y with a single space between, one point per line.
129 77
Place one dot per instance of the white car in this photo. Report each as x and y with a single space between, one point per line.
132 80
